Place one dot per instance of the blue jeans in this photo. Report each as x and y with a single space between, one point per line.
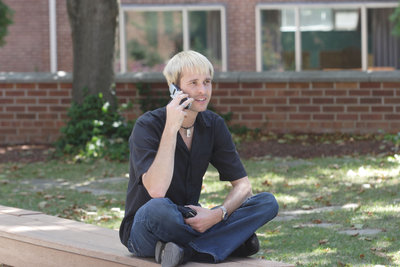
159 219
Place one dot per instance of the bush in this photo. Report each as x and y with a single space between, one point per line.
94 131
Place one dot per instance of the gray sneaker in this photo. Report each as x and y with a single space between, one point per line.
168 254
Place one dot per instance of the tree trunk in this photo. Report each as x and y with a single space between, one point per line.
93 26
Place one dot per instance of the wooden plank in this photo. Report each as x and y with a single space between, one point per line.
35 239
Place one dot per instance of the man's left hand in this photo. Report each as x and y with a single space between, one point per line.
204 219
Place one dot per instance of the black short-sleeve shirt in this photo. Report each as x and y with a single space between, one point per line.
211 143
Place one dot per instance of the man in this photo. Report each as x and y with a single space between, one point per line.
170 150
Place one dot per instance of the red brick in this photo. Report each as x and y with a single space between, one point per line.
277 116
48 85
322 85
252 85
220 93
323 117
120 86
370 101
25 85
347 117
324 100
252 101
370 85
230 101
240 108
335 92
48 116
261 93
359 92
297 100
299 116
285 109
26 116
299 85
6 101
392 117
346 85
6 85
313 92
333 109
241 93
37 108
309 109
65 86
357 109
391 100
48 101
15 108
275 101
287 93
383 93
25 101
36 93
371 117
59 93
275 85
382 109
252 116
227 86
391 84
15 93
262 109
58 109
349 100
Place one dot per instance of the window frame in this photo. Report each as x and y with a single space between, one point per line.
185 9
298 49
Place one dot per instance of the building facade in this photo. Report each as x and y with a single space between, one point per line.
251 35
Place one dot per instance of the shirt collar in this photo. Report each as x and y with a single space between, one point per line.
204 119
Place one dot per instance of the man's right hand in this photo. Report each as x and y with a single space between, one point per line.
176 112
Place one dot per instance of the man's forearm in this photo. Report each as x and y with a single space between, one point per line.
158 178
240 191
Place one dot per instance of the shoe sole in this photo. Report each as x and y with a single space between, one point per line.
171 255
158 251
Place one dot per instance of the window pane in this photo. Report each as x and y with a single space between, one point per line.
383 47
205 35
277 33
330 38
152 38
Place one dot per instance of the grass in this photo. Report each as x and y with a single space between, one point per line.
370 183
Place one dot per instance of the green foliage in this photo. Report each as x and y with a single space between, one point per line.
6 15
395 139
395 18
141 53
150 100
94 130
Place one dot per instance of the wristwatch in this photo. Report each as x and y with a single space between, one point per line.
224 212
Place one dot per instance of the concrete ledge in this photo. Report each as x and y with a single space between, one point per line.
231 77
29 238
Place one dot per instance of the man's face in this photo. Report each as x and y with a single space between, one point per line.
198 87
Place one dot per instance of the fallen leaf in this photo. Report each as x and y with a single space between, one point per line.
323 241
266 183
362 256
317 221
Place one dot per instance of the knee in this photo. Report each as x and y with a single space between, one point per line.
270 203
158 211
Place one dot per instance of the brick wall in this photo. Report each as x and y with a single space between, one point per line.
33 107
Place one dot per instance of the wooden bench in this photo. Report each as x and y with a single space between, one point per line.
30 238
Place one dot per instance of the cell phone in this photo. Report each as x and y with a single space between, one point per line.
187 212
173 90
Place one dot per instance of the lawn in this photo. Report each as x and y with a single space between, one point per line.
334 211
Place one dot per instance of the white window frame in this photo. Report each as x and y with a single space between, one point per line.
185 26
298 60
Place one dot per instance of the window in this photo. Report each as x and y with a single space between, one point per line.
150 35
328 37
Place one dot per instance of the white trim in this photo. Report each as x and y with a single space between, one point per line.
276 6
364 38
297 39
185 29
186 38
258 39
122 41
53 35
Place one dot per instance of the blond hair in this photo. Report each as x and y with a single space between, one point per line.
186 60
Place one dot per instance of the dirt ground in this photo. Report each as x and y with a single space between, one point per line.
296 146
